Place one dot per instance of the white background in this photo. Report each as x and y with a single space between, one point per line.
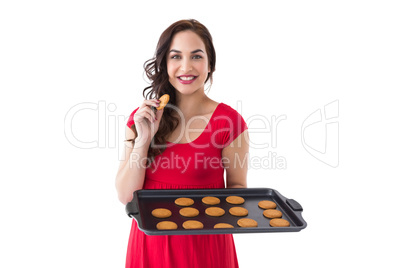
59 207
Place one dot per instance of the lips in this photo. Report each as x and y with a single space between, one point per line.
186 79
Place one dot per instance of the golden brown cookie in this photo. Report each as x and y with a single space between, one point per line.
246 222
193 225
266 204
211 200
238 211
164 100
272 213
215 211
223 225
161 213
279 223
184 201
166 225
236 200
189 212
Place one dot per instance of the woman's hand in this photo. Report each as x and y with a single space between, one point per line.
147 121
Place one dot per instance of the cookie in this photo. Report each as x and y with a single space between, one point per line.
246 222
272 213
189 212
238 211
193 225
215 211
210 200
184 201
166 225
164 100
223 225
266 204
279 223
235 200
161 213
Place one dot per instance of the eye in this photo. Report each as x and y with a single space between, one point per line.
197 57
175 57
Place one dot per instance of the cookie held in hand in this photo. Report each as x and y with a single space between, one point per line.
164 101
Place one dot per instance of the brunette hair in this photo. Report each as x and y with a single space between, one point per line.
157 73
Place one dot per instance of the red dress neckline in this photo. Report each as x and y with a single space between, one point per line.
203 132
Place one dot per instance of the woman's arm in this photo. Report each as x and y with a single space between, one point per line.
235 160
131 173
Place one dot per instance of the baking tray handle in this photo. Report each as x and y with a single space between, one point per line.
294 205
132 207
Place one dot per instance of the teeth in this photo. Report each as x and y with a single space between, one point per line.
187 78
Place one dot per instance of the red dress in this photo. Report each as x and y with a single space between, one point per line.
194 165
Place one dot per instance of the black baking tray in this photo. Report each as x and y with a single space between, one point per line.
144 201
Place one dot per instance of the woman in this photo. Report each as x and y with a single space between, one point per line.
192 130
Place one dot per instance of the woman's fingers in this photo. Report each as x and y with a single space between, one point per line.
145 112
159 114
148 111
153 102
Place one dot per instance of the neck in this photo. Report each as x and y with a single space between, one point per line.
193 104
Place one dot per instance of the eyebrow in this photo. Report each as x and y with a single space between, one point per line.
192 52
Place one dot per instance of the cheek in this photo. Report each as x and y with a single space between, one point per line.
204 67
171 70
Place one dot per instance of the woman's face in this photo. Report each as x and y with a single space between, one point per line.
187 62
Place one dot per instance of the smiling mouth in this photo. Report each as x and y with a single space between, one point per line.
187 78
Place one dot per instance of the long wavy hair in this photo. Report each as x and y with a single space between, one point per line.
156 71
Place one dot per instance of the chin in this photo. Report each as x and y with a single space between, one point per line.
187 91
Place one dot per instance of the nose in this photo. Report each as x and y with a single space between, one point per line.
186 65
